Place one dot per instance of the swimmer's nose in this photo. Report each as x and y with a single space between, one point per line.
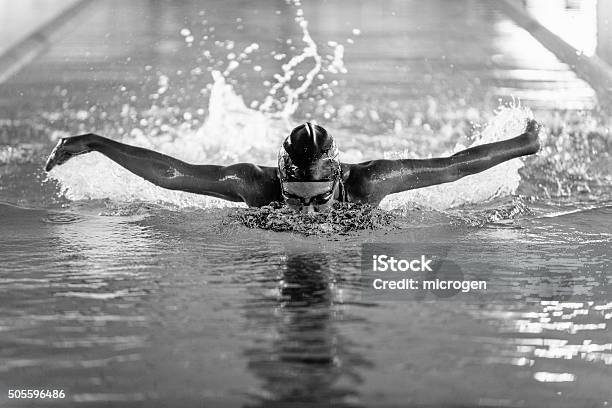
307 209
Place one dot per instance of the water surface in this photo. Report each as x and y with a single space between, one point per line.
117 291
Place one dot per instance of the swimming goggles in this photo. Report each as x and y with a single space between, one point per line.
318 199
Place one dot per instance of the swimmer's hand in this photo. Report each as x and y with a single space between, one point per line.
66 148
532 131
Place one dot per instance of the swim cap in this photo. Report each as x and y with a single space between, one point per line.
309 153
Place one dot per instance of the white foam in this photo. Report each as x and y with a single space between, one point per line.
233 132
501 180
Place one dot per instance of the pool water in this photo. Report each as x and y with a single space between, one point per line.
122 293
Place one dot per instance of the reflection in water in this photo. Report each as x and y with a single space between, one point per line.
306 360
558 323
104 252
71 302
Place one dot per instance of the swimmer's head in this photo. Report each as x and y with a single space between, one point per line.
309 168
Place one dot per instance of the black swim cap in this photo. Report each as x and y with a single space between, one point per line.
309 153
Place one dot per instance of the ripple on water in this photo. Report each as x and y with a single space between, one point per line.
62 218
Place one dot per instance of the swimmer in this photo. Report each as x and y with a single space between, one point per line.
309 176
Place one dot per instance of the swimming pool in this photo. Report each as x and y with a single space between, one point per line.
117 291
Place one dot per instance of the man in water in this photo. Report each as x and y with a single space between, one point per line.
309 176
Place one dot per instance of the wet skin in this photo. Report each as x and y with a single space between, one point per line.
367 182
310 196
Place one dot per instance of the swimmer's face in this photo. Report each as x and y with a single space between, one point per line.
312 187
309 196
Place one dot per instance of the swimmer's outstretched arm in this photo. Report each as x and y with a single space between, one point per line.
393 176
239 182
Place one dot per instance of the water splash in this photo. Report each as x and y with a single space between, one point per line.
234 132
282 81
342 218
501 180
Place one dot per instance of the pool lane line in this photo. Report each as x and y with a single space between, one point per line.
26 50
593 69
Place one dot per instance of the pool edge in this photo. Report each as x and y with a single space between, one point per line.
26 50
596 72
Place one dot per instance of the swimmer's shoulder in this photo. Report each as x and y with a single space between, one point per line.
257 185
250 172
359 180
